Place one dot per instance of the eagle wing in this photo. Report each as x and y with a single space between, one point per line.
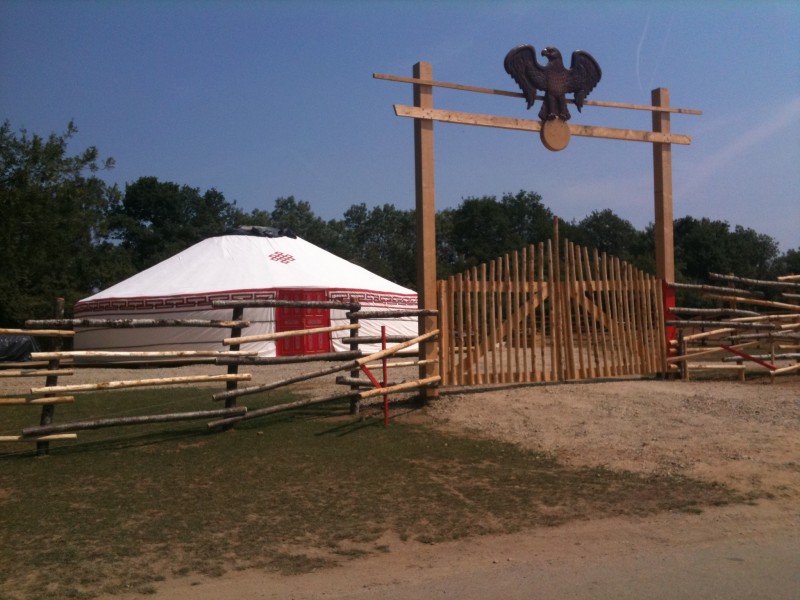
523 67
584 74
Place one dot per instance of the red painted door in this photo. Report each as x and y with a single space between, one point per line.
291 319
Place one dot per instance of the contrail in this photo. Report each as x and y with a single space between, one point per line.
639 49
662 51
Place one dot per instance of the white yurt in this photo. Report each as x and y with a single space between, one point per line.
249 264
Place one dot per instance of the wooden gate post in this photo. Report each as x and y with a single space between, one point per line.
662 189
426 227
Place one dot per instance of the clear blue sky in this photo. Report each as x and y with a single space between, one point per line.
267 99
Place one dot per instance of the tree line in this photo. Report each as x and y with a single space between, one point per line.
64 232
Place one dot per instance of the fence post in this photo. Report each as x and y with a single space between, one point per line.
426 227
48 410
662 190
355 403
233 368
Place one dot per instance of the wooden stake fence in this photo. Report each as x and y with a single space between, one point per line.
540 315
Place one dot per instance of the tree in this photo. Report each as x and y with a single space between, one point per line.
788 264
156 220
530 220
704 246
382 240
297 217
484 229
54 230
608 233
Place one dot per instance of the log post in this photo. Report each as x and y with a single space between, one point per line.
684 366
233 368
662 190
48 410
355 401
426 227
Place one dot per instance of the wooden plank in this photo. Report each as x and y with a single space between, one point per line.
451 323
135 354
469 338
713 366
600 316
495 92
287 360
113 385
620 317
509 322
715 288
459 308
636 331
425 203
713 311
479 120
584 286
662 188
136 323
662 330
384 314
760 282
739 299
36 372
444 342
275 335
38 332
532 287
494 341
577 292
647 315
269 303
525 304
39 438
555 348
138 420
585 293
726 324
37 401
786 369
514 316
542 314
607 323
484 321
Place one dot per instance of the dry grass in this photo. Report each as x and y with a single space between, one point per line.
122 509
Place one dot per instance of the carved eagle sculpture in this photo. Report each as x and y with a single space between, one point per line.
553 78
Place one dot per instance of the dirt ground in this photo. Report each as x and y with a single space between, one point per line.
745 435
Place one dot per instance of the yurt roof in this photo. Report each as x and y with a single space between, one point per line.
249 262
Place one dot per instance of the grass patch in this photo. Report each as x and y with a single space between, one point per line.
122 508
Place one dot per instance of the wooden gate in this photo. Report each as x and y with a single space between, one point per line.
535 315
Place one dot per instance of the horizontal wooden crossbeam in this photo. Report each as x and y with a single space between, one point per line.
483 90
464 118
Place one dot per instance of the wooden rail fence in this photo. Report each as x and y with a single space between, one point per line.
730 338
49 365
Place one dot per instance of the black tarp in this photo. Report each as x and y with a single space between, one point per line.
17 348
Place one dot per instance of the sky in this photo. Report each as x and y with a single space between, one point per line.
263 100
